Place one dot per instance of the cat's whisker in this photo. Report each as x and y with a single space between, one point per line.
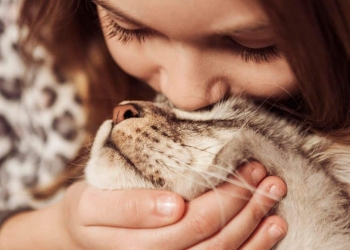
288 93
204 149
172 168
215 166
241 182
210 186
220 191
216 191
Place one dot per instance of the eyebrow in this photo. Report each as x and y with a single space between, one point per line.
119 13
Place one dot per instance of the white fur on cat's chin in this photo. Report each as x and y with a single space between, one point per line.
102 171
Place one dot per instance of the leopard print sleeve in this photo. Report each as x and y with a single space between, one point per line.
42 119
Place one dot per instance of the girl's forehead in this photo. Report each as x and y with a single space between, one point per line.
181 17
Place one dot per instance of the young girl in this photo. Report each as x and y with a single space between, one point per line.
293 55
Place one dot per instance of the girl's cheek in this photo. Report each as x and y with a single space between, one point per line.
270 80
130 58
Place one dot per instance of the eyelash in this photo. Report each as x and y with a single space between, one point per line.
258 55
125 35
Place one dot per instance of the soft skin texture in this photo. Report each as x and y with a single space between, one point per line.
88 218
191 55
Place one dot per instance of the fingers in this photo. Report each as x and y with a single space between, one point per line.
129 208
268 233
208 213
220 219
237 231
219 206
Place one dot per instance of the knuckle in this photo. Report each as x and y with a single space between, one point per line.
202 226
131 208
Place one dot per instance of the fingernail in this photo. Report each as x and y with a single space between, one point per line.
276 192
166 204
275 231
258 174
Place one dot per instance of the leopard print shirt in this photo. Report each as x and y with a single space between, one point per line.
41 118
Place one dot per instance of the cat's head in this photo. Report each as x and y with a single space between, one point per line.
153 145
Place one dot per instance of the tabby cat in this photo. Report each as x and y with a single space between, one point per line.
154 145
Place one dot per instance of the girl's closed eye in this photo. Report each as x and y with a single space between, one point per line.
258 55
126 35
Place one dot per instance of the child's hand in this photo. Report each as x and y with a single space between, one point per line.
89 218
136 219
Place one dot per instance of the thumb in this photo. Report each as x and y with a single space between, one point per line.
136 208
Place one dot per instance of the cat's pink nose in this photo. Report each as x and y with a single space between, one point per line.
123 112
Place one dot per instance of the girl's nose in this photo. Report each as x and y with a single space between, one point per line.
189 78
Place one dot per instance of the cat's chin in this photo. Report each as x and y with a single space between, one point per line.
108 170
101 173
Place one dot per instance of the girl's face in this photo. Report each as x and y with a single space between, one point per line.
196 52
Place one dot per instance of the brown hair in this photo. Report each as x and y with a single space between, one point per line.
315 38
